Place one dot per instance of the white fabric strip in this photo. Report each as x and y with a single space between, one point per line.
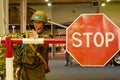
33 41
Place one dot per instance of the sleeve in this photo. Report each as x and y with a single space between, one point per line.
43 49
17 51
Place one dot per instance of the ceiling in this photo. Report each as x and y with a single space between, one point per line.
58 1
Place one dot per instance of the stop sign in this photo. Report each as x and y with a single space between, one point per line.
92 39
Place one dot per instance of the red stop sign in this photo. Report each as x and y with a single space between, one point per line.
92 39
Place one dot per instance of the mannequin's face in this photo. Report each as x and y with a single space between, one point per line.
38 25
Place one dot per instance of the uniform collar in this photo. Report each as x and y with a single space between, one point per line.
40 31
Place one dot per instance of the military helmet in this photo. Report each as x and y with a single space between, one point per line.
40 16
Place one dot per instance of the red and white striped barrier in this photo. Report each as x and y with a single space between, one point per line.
35 41
8 41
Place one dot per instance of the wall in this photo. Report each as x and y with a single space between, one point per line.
112 11
45 8
67 12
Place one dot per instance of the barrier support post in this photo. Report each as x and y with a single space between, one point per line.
9 59
8 41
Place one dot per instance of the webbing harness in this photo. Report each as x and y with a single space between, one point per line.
39 55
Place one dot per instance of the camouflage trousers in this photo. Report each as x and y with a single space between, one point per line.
37 73
2 74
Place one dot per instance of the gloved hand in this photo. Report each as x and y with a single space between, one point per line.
33 34
17 72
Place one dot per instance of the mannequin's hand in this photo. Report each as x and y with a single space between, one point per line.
33 34
17 72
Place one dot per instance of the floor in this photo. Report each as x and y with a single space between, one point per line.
76 72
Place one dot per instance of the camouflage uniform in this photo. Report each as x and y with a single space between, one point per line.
31 66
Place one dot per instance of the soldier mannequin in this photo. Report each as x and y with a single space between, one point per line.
31 67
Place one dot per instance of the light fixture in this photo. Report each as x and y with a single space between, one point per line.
46 0
103 4
108 0
49 4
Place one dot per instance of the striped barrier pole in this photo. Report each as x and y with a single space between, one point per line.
8 41
9 59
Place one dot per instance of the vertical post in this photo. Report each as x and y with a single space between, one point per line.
53 45
97 9
23 16
2 18
6 15
9 59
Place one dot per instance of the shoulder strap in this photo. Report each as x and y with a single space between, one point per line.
39 55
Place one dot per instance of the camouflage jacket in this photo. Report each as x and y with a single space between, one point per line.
25 56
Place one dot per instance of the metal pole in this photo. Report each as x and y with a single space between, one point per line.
35 41
53 45
57 24
39 41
